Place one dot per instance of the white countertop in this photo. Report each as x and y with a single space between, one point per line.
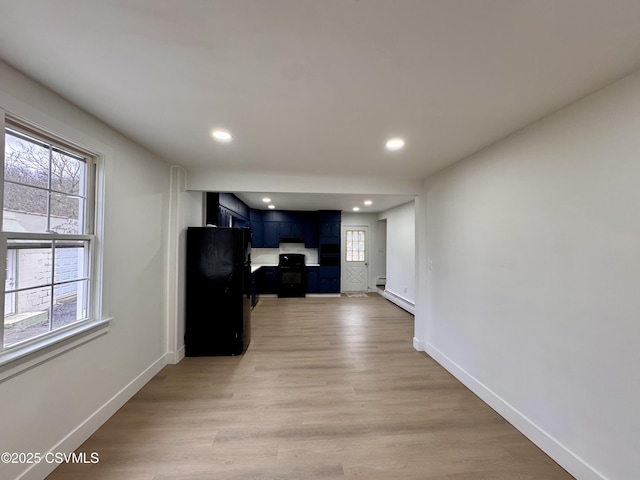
256 266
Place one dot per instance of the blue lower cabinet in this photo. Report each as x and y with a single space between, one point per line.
268 280
329 272
329 279
313 284
329 285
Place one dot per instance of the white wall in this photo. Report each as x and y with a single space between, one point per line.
42 407
379 254
533 298
401 256
210 180
185 210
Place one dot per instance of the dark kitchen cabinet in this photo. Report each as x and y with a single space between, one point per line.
329 254
329 226
329 272
274 226
313 285
265 231
236 207
329 275
224 217
271 216
311 230
268 280
225 209
257 235
329 285
257 228
271 237
292 232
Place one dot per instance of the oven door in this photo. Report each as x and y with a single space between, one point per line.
292 282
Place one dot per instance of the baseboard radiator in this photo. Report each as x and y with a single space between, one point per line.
400 301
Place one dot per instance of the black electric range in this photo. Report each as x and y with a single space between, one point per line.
292 275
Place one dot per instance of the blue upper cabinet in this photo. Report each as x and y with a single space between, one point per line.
270 227
257 234
256 218
225 209
311 230
237 207
212 208
329 222
265 225
271 235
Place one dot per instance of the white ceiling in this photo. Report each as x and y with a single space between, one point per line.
316 87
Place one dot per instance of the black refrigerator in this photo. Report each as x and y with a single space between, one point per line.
218 291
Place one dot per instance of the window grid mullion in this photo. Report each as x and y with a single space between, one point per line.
53 283
3 239
43 285
45 189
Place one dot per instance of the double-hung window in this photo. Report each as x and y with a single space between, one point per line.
48 238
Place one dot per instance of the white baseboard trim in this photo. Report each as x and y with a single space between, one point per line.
400 301
419 345
558 452
173 358
181 354
87 428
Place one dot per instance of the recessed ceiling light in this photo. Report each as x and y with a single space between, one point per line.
221 135
266 199
356 209
271 207
368 202
395 143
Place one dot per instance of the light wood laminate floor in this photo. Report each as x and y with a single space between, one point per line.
330 388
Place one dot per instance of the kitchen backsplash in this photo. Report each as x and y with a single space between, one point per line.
269 256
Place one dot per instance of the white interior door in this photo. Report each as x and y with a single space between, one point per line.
355 258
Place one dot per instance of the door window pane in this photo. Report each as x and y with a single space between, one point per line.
355 246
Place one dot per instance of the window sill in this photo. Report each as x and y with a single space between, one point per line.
16 361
